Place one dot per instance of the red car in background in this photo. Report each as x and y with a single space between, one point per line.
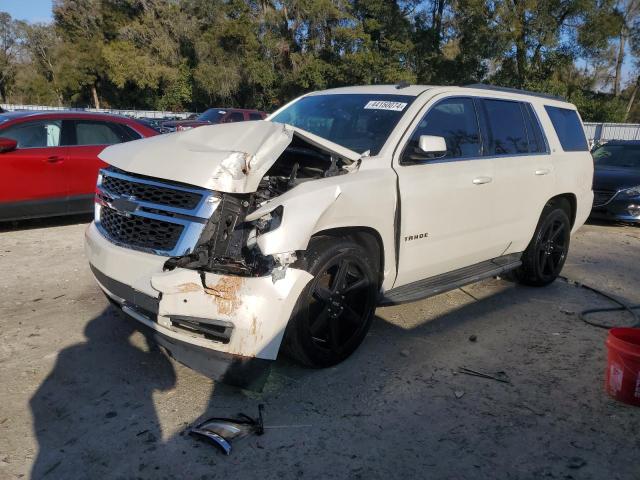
49 160
211 116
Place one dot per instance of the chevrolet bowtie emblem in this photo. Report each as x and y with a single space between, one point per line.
125 204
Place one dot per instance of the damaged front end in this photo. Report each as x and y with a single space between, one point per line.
184 219
228 243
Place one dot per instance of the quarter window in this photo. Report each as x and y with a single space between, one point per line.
41 134
506 125
454 119
569 129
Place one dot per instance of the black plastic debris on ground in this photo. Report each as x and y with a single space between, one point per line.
222 431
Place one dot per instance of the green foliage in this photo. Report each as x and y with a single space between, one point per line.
193 54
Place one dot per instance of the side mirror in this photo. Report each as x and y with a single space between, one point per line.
435 147
7 145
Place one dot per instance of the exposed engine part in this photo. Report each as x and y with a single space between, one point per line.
300 162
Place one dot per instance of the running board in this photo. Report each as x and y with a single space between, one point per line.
450 281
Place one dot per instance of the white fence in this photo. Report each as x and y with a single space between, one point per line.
602 132
128 113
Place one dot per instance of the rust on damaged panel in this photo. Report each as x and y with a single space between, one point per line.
189 287
226 294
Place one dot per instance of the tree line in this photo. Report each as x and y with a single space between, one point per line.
187 55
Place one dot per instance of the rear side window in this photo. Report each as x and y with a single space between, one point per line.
127 132
235 117
99 133
40 134
569 129
454 119
507 129
255 116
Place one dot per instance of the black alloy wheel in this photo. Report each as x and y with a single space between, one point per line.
544 258
334 311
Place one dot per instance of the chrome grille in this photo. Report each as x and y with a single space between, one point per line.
151 193
153 215
136 231
602 197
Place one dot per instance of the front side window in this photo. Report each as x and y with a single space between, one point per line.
37 134
506 128
569 129
255 116
454 119
359 122
620 156
90 132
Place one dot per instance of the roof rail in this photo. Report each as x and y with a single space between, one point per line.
495 88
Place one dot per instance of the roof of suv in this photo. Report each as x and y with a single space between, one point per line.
400 89
415 90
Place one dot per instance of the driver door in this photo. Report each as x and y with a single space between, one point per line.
32 178
447 216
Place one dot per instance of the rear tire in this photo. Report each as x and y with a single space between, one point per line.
544 258
334 311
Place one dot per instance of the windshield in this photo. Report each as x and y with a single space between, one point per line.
212 115
359 122
622 156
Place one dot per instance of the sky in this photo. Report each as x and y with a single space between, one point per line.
30 10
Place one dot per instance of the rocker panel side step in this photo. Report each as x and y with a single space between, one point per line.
450 281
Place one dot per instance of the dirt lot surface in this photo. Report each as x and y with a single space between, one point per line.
82 394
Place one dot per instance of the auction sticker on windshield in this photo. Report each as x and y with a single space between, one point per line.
382 105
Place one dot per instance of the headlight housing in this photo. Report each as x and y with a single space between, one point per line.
630 192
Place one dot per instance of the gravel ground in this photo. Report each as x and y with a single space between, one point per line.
85 396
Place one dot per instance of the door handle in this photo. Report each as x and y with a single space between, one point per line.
543 171
482 180
54 159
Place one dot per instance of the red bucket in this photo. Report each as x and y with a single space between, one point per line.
622 380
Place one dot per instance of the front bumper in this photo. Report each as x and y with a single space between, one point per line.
230 320
619 210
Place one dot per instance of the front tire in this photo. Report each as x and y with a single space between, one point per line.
544 258
334 312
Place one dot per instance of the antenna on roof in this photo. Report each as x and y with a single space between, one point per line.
402 84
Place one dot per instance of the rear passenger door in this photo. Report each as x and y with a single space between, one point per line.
86 140
523 178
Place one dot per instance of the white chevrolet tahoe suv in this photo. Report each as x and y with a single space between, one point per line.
231 241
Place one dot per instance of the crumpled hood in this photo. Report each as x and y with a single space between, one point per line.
229 157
